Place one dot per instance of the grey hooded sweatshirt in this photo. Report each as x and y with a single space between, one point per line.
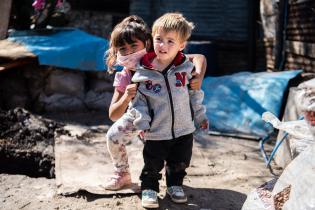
164 106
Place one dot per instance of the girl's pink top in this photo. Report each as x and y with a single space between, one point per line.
122 79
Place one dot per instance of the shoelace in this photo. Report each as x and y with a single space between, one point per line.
150 194
177 189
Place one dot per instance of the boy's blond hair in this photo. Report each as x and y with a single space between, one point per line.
173 22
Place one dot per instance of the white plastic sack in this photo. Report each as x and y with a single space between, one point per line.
306 102
284 155
260 198
297 128
306 95
300 175
300 136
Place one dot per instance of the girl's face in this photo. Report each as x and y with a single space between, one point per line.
129 55
127 48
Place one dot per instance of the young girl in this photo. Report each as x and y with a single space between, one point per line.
130 40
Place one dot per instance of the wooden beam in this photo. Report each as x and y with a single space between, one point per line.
297 1
281 35
5 9
19 62
301 48
13 50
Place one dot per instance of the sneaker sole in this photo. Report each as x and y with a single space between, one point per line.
119 188
177 200
150 206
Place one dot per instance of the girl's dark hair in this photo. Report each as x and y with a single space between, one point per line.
127 31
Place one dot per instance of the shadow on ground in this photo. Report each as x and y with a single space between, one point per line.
198 198
203 198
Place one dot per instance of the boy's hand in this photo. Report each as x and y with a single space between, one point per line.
204 124
196 81
131 91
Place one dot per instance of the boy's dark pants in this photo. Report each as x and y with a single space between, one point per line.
177 155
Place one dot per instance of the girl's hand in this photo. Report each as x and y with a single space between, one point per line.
130 91
196 81
141 134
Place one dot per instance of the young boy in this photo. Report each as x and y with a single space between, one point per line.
166 109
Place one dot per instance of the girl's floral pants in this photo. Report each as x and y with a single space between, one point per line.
120 134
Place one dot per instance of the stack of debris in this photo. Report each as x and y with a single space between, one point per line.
27 143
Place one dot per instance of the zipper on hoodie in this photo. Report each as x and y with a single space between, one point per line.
164 73
171 102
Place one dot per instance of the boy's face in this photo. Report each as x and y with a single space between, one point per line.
167 45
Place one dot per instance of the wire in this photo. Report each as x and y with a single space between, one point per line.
274 150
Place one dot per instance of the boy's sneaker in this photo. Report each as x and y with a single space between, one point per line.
118 181
149 199
177 194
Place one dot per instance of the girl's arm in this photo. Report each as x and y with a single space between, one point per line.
200 63
120 101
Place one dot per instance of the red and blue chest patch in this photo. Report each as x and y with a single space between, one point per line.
179 82
155 88
180 78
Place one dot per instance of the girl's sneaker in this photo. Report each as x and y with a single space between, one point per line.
149 199
177 194
118 181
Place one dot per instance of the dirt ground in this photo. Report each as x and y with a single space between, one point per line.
233 168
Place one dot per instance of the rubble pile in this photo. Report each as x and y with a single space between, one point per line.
26 143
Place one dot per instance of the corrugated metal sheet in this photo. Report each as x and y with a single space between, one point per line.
214 19
143 8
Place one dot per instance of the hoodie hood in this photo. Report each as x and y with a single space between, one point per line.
147 59
145 70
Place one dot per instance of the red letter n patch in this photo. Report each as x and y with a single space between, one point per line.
180 78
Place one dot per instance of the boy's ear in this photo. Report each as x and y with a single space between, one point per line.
182 46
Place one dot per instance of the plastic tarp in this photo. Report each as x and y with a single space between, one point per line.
66 47
236 102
